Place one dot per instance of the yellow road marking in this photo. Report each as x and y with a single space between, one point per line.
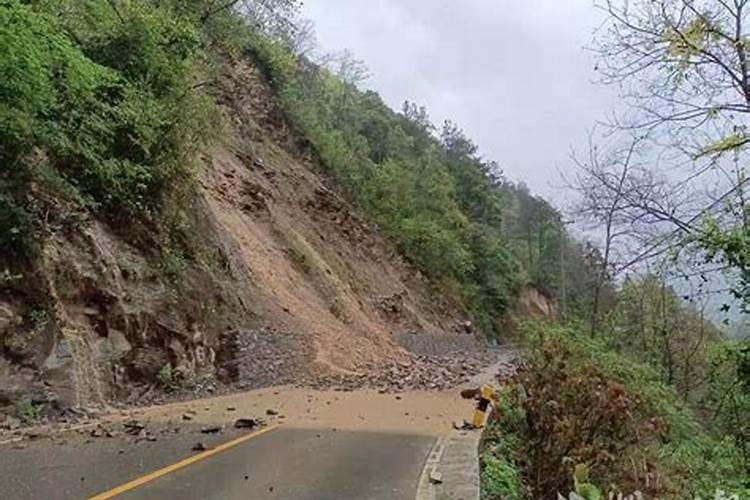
135 483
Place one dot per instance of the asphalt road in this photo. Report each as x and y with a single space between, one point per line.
284 463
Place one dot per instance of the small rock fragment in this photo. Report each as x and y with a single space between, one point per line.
211 429
246 423
133 427
199 447
463 425
271 412
436 477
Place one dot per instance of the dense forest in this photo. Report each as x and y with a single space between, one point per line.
105 105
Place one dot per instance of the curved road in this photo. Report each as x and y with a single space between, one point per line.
283 463
319 445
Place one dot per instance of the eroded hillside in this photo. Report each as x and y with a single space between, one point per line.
289 284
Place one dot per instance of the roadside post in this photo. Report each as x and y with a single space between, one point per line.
486 394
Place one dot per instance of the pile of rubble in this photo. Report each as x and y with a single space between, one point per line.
266 358
255 359
269 357
422 372
438 344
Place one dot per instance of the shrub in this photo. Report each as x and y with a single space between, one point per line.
15 226
167 378
585 404
107 96
577 414
501 458
500 479
27 411
172 263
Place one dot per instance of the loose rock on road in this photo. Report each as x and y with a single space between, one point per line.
328 444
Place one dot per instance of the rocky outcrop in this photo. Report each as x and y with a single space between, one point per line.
103 318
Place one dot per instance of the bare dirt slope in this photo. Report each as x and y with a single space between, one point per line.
288 284
316 265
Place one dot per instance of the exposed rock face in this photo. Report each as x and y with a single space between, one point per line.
534 304
102 318
286 282
529 304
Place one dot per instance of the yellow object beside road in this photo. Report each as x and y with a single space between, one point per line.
486 394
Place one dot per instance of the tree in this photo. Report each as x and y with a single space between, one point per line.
654 325
683 69
602 182
100 110
728 395
683 62
275 17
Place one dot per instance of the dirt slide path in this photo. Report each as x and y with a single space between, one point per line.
424 412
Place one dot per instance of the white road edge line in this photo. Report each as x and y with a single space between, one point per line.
425 488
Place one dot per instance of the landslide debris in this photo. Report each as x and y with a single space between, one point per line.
276 280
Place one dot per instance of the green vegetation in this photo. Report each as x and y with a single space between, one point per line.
500 478
579 402
501 460
656 402
28 411
167 378
98 110
172 263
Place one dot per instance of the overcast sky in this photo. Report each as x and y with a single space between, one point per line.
513 74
